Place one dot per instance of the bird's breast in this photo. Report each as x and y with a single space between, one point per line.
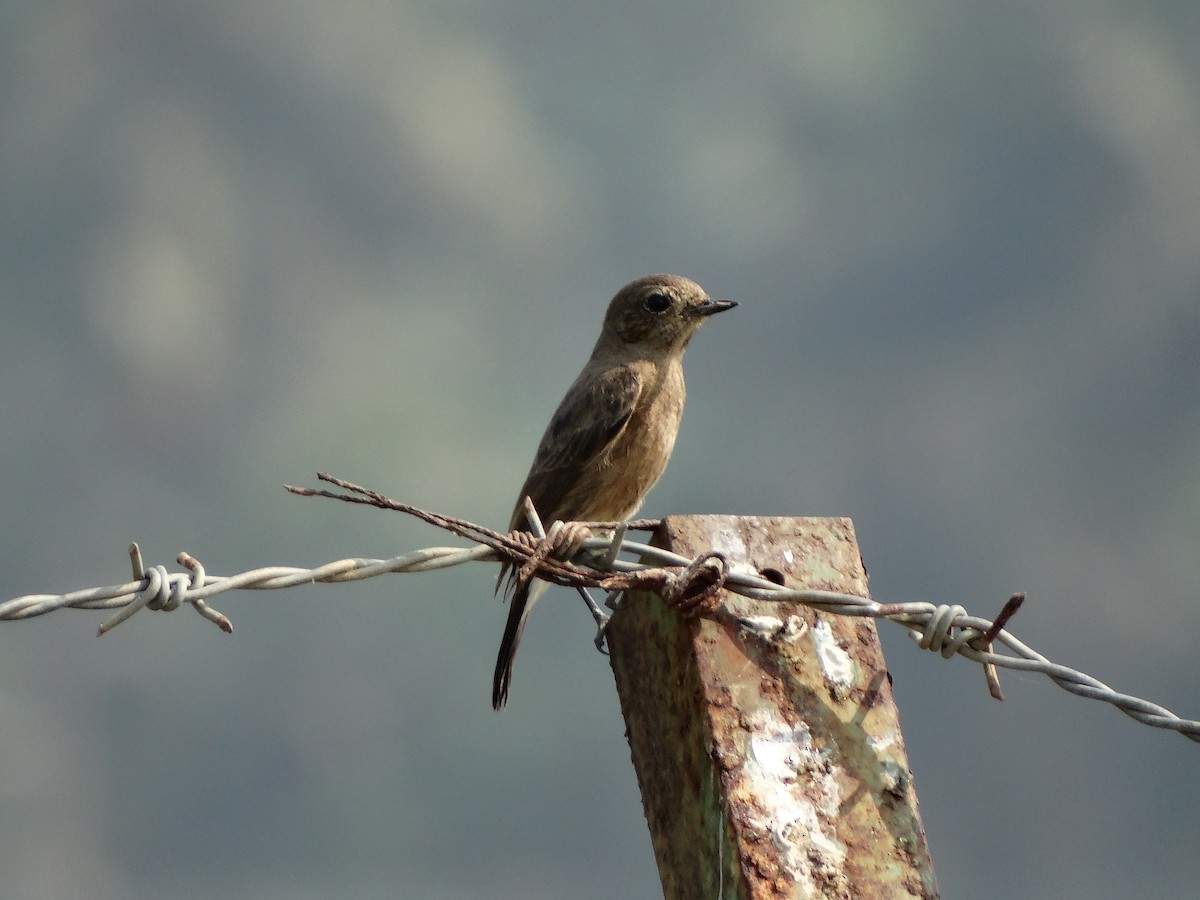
638 457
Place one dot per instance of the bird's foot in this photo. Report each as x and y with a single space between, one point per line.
600 617
565 538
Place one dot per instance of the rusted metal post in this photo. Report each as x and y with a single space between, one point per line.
770 759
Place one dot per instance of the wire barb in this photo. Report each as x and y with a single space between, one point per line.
692 585
159 590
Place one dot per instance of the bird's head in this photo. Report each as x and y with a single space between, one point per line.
659 313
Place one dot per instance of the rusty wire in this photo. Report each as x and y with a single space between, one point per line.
689 585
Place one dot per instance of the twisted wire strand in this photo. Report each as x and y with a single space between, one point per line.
945 629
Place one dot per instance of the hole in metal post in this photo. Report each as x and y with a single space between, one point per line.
772 575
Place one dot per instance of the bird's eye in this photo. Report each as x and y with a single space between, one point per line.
657 302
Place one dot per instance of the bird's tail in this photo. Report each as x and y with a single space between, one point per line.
522 603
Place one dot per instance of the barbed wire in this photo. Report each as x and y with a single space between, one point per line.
690 585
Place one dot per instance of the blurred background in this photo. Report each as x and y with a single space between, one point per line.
244 242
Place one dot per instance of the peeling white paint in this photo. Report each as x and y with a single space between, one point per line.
789 629
892 775
880 743
764 625
836 665
729 542
794 794
792 629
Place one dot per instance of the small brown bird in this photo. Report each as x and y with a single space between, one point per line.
613 432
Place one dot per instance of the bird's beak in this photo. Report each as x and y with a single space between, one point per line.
710 307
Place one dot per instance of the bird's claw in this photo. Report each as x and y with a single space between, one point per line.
566 538
602 635
600 616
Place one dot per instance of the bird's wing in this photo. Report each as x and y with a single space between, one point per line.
589 420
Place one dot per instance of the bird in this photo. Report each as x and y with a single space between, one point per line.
612 435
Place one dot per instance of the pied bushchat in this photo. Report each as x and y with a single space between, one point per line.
613 432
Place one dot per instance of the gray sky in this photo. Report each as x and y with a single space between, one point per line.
243 242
